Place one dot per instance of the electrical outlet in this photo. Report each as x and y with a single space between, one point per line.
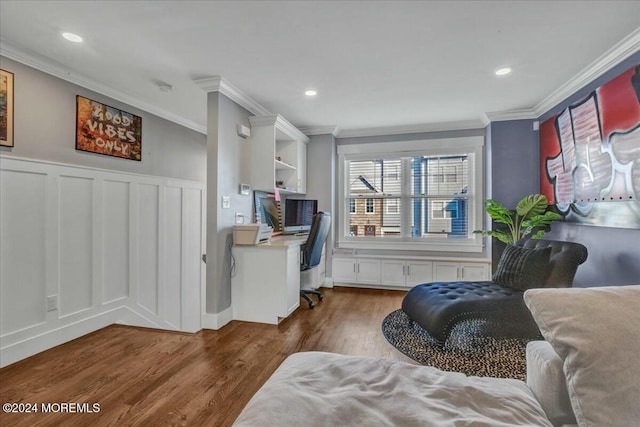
226 202
239 218
52 302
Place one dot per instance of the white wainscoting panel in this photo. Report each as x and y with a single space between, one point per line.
108 247
22 249
115 243
76 244
147 239
193 268
172 261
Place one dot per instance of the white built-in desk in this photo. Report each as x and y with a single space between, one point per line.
266 284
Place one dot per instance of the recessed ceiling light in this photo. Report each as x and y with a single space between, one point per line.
503 71
72 37
310 92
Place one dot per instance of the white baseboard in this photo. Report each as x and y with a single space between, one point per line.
383 287
35 344
328 282
131 317
217 320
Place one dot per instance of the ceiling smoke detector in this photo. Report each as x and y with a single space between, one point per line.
165 88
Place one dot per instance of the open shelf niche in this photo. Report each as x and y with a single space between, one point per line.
278 155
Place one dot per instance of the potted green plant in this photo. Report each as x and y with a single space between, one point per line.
530 219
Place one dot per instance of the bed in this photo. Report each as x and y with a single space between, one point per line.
585 372
325 389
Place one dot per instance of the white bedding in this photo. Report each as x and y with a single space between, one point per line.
325 389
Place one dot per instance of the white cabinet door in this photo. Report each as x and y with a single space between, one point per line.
474 272
445 271
419 272
452 271
344 270
393 273
368 271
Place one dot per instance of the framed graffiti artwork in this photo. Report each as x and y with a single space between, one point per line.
107 130
590 155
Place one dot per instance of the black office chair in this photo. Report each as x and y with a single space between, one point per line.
312 250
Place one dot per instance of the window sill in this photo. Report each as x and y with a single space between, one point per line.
463 245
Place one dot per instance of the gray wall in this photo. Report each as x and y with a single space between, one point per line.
228 165
410 136
614 257
45 117
512 165
321 183
514 157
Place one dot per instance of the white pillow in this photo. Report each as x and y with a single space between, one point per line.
596 332
546 379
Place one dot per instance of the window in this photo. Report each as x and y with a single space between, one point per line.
392 206
353 230
422 195
437 210
352 206
369 206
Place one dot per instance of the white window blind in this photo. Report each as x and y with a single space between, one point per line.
417 195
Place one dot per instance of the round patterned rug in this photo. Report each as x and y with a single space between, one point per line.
468 350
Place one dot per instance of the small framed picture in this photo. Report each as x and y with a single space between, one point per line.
6 108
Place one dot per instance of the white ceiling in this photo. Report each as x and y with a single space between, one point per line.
374 64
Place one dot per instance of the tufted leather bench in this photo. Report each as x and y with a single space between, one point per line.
438 307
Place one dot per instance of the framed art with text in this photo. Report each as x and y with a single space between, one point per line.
6 108
107 130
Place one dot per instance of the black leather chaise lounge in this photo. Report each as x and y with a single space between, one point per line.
438 307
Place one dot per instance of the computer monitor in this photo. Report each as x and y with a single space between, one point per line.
298 215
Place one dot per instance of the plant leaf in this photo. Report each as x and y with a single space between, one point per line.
538 234
541 220
500 235
498 212
532 205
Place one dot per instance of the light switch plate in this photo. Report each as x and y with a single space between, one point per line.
226 202
52 302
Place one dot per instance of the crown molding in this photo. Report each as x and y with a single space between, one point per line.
406 129
320 130
225 87
618 53
280 123
501 116
46 66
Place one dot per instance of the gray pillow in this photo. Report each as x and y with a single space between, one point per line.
595 331
523 268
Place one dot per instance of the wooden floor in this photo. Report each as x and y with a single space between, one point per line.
156 378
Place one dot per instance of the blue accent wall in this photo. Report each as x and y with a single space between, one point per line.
514 157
